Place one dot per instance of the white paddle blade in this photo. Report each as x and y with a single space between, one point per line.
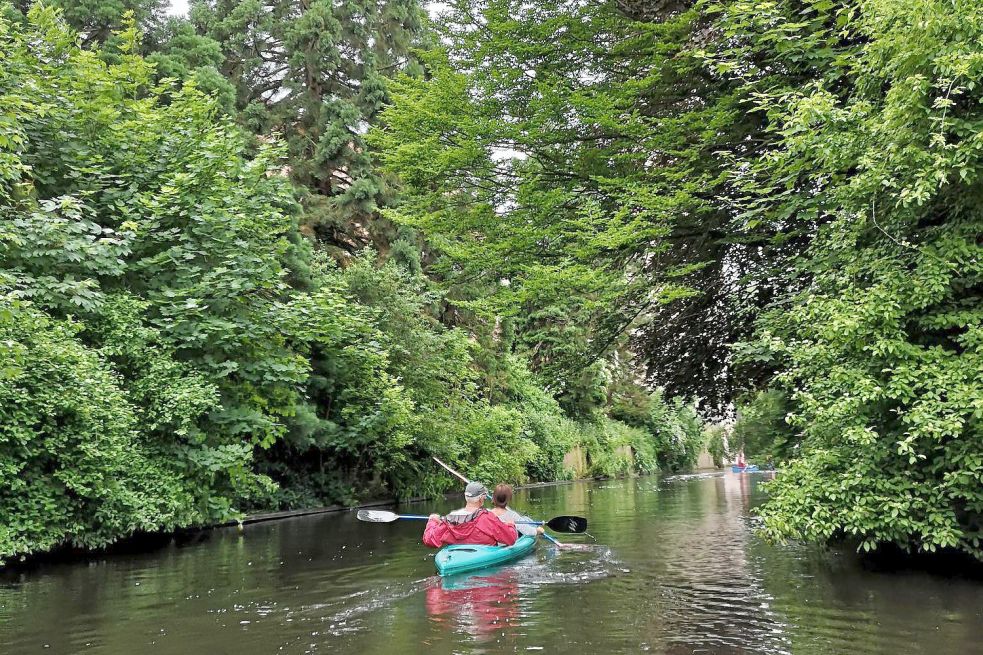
376 516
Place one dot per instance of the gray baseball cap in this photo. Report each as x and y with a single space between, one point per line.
475 490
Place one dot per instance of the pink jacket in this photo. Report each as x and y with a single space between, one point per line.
485 529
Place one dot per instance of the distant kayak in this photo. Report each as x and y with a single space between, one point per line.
750 468
460 558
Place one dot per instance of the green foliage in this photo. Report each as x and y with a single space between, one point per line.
761 431
98 21
554 436
314 74
880 350
557 340
715 437
497 446
572 163
631 405
389 386
615 449
77 466
677 431
91 179
178 52
126 192
134 214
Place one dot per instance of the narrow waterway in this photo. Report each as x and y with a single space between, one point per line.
675 568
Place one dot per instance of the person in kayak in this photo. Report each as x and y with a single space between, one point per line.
472 524
501 499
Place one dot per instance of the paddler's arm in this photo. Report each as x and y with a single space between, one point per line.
526 528
503 532
433 534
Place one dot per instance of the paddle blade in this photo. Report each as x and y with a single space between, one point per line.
376 516
575 547
568 524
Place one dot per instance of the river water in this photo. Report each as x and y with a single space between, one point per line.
676 568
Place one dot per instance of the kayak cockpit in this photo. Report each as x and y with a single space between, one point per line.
460 558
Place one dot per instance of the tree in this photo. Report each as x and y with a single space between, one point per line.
97 21
145 221
570 160
878 343
313 72
761 431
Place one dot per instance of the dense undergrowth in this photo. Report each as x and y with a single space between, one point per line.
173 351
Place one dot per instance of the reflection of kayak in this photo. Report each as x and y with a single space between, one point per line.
459 558
469 581
750 468
483 604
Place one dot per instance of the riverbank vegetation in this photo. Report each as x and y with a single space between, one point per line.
177 350
276 254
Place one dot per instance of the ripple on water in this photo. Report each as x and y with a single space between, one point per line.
676 569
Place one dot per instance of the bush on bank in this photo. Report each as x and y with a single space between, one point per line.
173 354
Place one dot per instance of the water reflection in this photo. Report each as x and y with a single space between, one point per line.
476 604
676 568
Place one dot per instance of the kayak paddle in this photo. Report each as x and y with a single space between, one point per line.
452 471
568 524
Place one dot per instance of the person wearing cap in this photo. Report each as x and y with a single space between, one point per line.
472 524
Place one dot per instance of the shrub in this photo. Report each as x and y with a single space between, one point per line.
761 430
715 440
76 470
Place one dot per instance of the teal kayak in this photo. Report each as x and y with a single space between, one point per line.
460 558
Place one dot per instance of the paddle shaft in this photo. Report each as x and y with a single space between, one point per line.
421 517
452 471
464 479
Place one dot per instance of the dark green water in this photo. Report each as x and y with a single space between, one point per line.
676 569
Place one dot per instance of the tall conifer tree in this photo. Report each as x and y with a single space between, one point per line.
313 71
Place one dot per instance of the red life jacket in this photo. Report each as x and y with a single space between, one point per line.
484 529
